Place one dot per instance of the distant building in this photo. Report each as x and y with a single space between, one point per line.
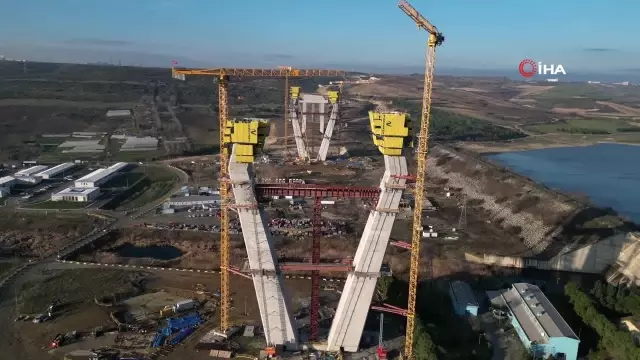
100 176
537 322
56 170
7 181
183 201
29 180
118 113
133 143
31 171
76 194
462 298
4 192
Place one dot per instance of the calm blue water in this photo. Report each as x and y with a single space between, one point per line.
608 173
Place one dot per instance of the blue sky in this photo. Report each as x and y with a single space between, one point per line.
590 35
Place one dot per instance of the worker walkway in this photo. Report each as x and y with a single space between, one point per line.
273 302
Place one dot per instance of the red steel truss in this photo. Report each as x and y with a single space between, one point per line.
316 190
390 309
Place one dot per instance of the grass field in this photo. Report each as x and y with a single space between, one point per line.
157 183
5 267
596 126
62 205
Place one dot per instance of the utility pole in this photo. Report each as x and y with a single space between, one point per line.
462 221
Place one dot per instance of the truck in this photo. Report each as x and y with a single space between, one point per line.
184 305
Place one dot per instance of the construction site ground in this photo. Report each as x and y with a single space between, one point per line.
77 286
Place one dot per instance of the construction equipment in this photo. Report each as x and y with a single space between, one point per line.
435 39
223 75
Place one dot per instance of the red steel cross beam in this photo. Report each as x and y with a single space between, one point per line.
316 190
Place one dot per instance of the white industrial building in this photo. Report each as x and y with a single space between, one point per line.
118 113
31 171
76 194
56 170
100 176
7 181
4 192
140 144
182 201
29 180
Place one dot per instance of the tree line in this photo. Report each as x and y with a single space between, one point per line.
447 126
614 342
621 299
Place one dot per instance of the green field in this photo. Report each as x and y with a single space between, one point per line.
590 91
63 205
157 181
587 126
5 267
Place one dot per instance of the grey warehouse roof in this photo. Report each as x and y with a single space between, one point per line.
537 316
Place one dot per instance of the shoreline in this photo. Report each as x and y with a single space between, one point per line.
582 201
490 148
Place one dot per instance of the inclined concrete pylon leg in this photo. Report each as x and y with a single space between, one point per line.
273 300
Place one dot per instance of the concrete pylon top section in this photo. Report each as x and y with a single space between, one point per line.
313 98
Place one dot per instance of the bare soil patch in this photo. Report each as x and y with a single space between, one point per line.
38 234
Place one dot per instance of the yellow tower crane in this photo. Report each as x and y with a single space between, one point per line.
222 75
435 39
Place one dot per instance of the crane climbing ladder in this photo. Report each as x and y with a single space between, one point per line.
435 39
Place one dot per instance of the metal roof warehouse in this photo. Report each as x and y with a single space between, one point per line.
51 172
100 176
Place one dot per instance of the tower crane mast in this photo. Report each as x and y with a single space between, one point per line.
435 39
223 75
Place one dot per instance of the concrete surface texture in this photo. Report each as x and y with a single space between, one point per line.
301 146
621 250
351 314
313 108
328 132
275 309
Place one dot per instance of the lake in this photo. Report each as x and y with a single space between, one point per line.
609 174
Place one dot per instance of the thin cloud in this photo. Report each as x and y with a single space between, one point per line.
98 42
599 50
